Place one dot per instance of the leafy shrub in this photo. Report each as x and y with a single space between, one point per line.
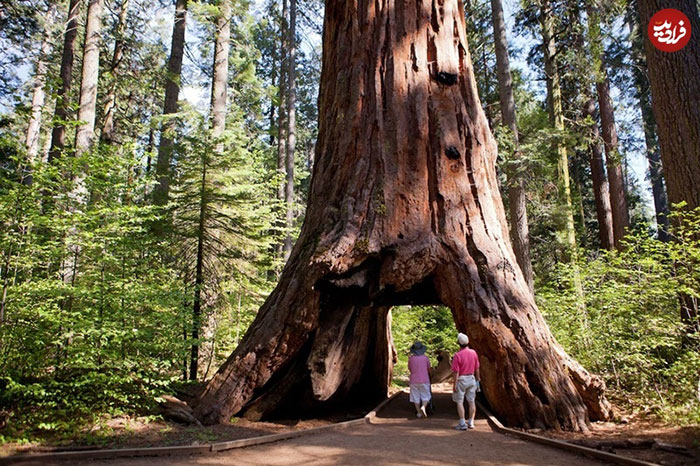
624 322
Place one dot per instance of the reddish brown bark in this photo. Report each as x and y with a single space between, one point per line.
601 191
675 92
618 199
62 112
161 191
641 83
675 96
404 208
110 106
517 198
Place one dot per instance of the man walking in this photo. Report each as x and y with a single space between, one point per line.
465 366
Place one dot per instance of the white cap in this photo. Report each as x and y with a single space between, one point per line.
462 339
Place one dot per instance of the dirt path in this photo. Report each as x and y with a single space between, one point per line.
397 437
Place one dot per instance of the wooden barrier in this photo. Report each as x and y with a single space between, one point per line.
591 452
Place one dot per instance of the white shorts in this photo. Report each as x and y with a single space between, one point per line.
420 392
466 388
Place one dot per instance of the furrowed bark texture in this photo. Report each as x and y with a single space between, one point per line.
161 191
675 96
618 200
601 191
62 111
404 208
641 83
110 106
675 92
517 199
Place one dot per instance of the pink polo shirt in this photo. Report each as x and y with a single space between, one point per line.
465 362
419 366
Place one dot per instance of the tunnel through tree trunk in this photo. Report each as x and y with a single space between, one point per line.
404 209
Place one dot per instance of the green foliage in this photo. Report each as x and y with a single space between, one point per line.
90 318
431 325
629 329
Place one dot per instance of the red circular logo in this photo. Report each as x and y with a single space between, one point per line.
669 30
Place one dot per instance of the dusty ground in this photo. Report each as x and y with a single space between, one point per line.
140 432
397 437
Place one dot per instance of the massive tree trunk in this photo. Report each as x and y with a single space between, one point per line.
38 95
291 128
675 87
107 134
641 83
618 200
85 132
517 199
556 117
601 191
404 208
62 111
161 191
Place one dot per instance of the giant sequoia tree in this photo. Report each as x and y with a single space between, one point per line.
404 208
675 91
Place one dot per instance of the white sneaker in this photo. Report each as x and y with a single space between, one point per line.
460 427
419 415
470 425
422 410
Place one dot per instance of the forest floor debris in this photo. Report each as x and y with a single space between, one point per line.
640 439
132 432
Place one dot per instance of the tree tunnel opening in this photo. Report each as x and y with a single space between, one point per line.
368 331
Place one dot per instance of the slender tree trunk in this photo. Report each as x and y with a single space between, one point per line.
404 208
107 134
151 147
641 82
199 274
62 112
282 126
38 95
291 129
220 71
218 125
675 91
161 191
85 133
517 199
556 118
656 174
601 191
618 200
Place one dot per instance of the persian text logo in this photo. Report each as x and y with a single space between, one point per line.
669 30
